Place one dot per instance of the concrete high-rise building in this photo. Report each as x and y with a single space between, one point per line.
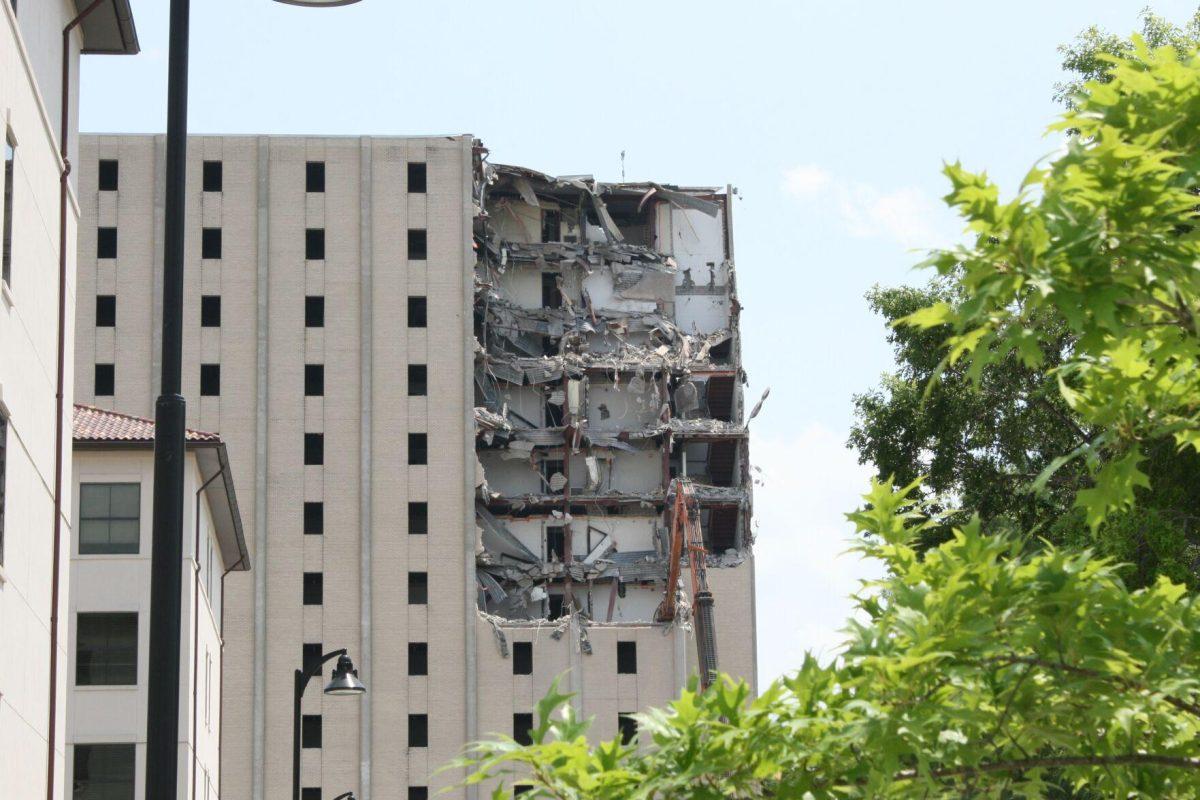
456 395
39 214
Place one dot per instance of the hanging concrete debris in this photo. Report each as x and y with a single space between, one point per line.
607 363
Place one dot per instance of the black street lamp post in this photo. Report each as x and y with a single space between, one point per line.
166 581
343 680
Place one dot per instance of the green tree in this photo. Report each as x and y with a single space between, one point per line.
981 667
978 670
984 441
980 441
984 437
1088 57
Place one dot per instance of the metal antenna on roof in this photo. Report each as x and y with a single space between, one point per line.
622 166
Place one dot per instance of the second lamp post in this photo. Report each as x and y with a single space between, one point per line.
343 680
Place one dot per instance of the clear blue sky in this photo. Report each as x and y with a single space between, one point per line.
831 118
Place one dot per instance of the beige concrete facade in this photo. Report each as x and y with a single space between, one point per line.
263 344
32 126
366 483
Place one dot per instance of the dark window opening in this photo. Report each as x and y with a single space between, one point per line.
522 658
418 380
210 380
314 449
627 658
416 177
213 176
418 518
314 176
107 175
720 529
417 244
555 603
522 788
314 244
210 243
722 463
314 380
550 468
310 731
310 655
314 311
636 224
104 772
314 518
523 728
418 449
10 160
556 543
418 793
719 397
418 588
418 730
551 225
314 588
551 296
554 414
110 518
106 649
418 658
106 242
104 380
627 725
549 346
416 312
310 793
210 311
106 311
3 464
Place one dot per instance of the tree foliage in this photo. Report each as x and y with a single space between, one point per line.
981 666
978 670
983 442
1088 58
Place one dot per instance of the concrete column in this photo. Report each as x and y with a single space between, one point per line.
366 360
258 760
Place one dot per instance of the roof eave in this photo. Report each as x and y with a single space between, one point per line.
110 30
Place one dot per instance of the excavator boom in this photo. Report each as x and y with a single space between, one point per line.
686 532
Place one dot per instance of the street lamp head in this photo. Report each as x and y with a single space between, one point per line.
317 3
345 796
344 679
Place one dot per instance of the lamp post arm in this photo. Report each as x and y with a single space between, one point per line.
303 676
311 671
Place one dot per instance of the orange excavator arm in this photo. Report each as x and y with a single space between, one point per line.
686 531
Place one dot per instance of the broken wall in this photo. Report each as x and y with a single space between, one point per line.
607 365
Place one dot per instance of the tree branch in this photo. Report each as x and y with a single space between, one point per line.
1179 703
1022 764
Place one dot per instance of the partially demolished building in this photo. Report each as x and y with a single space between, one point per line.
456 396
607 364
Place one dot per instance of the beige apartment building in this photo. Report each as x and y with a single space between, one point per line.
456 397
108 617
39 213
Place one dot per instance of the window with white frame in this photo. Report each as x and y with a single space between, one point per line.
109 518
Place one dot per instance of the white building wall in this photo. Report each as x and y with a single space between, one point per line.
121 583
30 62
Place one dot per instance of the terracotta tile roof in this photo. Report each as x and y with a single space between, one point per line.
93 424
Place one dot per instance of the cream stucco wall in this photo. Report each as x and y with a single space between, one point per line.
30 63
121 583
